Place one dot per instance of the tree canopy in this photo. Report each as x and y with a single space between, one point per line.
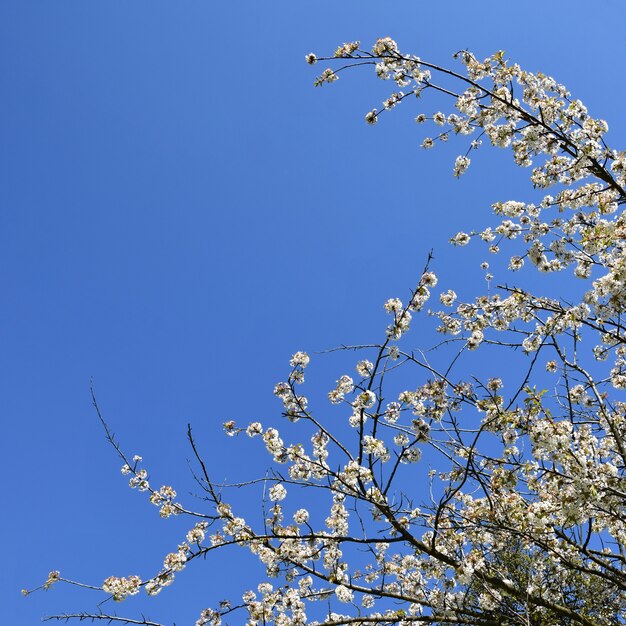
429 494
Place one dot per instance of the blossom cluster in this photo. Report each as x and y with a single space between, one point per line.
164 497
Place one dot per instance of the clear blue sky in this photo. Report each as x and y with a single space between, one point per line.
180 210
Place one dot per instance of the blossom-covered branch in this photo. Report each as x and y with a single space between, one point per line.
434 495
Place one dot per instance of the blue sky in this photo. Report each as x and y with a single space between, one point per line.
180 211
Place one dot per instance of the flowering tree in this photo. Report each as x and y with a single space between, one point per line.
450 499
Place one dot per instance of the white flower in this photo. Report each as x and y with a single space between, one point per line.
277 493
385 45
365 400
393 305
343 593
411 455
475 339
364 368
447 298
460 239
254 429
371 117
196 534
120 588
299 359
429 279
327 76
392 413
375 447
209 616
230 428
460 165
401 439
167 492
249 596
282 389
345 384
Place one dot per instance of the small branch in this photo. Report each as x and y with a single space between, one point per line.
100 616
